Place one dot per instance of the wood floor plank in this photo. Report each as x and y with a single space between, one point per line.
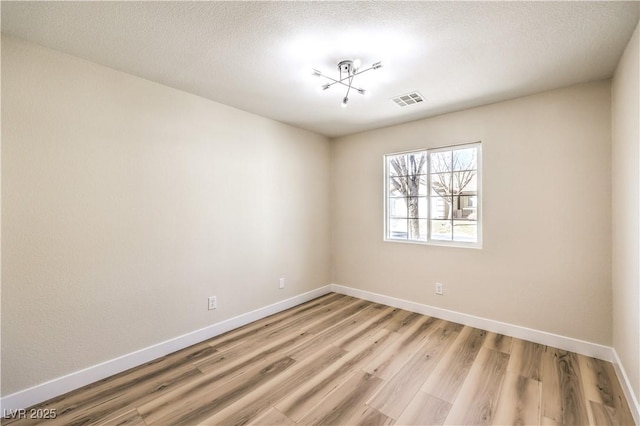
326 321
209 382
130 398
448 376
389 361
371 417
477 400
498 342
122 392
602 415
346 403
320 304
129 418
594 391
551 392
394 396
403 319
201 402
321 362
609 416
425 409
519 401
263 397
526 359
565 385
546 421
301 401
273 417
238 358
252 334
611 391
259 337
365 330
329 336
574 403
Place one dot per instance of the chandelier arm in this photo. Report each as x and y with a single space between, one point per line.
344 84
340 82
349 87
336 81
363 71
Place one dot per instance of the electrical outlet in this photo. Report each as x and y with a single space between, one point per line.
439 289
213 302
281 284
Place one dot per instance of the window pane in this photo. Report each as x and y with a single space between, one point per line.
397 165
398 207
465 231
413 184
422 185
441 230
441 184
398 229
465 159
410 164
440 161
465 182
417 229
465 207
397 186
440 207
408 186
422 207
417 207
417 163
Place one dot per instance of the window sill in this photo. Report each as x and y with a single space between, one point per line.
453 244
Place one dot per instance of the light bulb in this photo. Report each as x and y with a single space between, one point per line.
357 63
344 102
316 72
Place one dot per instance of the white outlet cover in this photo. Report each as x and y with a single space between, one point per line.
213 302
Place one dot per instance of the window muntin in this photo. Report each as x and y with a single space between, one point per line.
433 196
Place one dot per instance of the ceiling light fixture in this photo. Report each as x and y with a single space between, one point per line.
348 69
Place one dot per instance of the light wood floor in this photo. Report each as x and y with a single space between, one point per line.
340 360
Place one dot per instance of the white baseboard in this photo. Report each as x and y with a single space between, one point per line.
632 399
75 380
561 342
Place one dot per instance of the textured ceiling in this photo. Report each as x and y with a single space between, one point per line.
257 56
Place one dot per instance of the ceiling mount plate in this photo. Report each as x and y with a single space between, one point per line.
345 66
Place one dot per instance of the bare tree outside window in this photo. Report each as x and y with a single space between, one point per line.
407 178
451 173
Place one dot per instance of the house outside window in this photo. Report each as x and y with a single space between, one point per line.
433 196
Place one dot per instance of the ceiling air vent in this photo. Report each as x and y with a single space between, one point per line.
408 99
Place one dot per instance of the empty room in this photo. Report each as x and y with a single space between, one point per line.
320 213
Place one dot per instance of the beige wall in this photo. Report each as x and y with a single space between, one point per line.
546 261
126 203
626 211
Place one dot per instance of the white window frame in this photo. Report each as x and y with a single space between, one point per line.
435 242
